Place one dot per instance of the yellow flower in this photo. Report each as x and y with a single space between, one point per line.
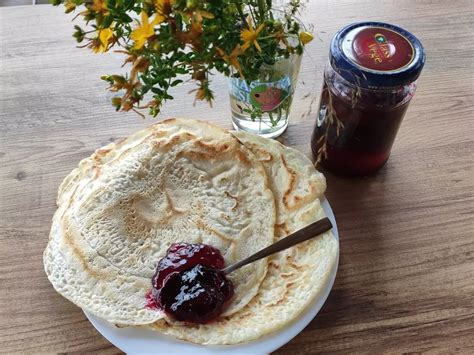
99 6
198 15
140 65
281 37
161 7
192 36
232 58
306 37
194 13
146 29
105 34
249 36
70 6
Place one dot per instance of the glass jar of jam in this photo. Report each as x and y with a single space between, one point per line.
368 84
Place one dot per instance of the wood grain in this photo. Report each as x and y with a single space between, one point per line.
405 280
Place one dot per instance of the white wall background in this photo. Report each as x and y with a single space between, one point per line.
22 2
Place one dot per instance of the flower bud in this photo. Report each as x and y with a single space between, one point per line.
306 37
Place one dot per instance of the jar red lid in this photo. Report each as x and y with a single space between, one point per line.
377 55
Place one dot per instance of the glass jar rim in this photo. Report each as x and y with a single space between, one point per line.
354 85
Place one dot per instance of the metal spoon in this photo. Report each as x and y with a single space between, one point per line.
310 231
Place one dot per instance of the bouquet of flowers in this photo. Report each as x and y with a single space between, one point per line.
166 39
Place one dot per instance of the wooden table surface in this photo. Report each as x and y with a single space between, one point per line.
405 279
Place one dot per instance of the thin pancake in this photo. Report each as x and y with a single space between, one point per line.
118 212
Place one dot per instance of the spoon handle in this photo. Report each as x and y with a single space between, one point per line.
310 231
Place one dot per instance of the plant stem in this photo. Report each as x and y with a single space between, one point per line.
253 15
271 119
241 12
266 37
262 10
280 111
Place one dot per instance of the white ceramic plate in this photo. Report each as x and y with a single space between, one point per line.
143 341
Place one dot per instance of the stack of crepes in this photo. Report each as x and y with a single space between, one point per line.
185 180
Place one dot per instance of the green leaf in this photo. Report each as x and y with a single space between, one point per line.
181 71
125 18
157 91
110 4
176 82
107 21
163 83
128 3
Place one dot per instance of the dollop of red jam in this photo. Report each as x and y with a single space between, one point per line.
188 283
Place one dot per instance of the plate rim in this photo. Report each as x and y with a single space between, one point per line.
128 339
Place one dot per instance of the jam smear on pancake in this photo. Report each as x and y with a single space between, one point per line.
188 284
150 300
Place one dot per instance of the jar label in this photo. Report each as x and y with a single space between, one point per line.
267 96
378 48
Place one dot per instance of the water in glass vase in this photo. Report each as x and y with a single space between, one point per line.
262 107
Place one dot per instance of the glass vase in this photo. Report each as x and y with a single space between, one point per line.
263 106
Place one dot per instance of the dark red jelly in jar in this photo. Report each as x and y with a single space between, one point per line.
188 284
368 84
